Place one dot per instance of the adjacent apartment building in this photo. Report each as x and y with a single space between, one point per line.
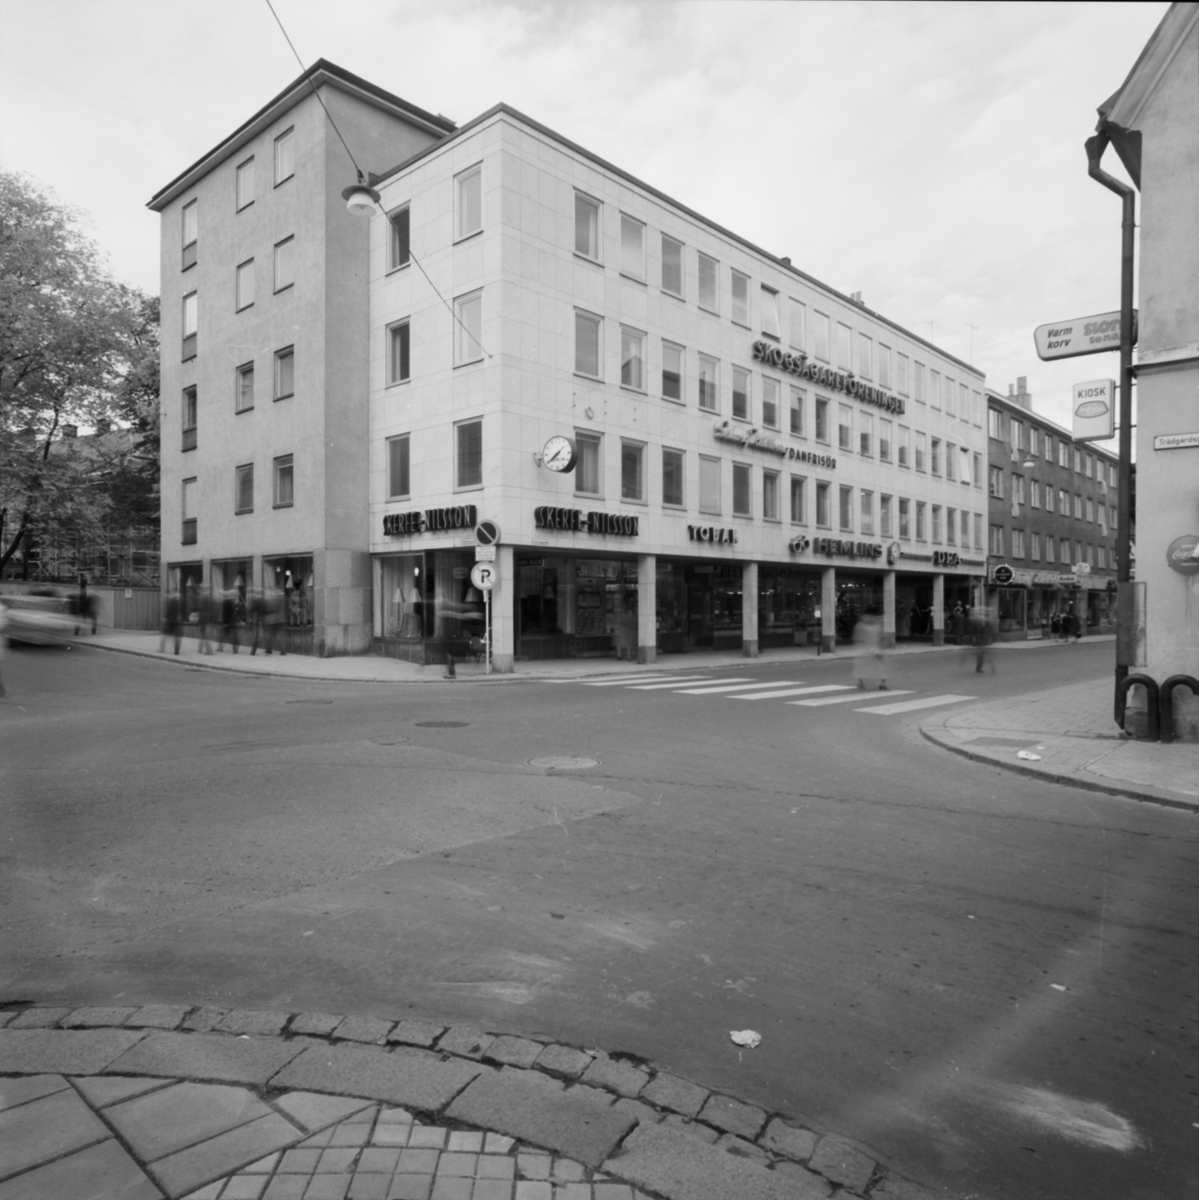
674 438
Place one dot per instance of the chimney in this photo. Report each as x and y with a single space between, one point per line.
856 297
1022 396
785 261
70 431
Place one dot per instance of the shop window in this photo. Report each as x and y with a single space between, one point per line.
284 483
587 214
709 485
285 264
741 393
285 156
398 341
921 521
245 184
905 531
770 495
822 430
672 478
243 388
401 601
468 329
632 470
468 436
587 469
291 578
770 312
285 372
799 500
672 267
797 325
885 426
845 508
820 336
770 402
243 479
884 516
244 285
709 296
799 414
632 247
740 298
709 375
866 434
742 476
189 418
632 359
866 512
672 371
399 482
824 516
845 427
587 344
399 250
468 193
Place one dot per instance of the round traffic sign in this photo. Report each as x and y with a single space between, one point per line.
487 533
482 575
1002 574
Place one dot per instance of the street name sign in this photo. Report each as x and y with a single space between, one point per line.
1175 441
1081 335
1094 410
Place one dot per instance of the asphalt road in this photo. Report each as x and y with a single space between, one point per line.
990 981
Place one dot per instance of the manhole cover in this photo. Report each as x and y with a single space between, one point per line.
441 724
307 701
563 762
389 741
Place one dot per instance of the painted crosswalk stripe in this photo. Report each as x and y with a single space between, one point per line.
626 680
732 685
887 710
653 687
856 695
806 691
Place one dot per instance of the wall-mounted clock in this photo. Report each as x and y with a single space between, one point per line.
560 454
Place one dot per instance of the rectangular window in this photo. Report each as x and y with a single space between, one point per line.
770 312
399 238
672 267
285 265
845 508
905 446
1111 474
244 289
822 424
468 196
741 393
672 478
901 374
587 471
587 344
1063 454
1102 514
820 336
243 482
284 482
866 512
797 326
708 380
965 519
191 231
632 359
935 457
934 388
1034 493
799 415
1035 547
1017 543
632 470
245 184
243 398
741 490
770 495
918 383
1048 498
845 427
921 510
398 338
951 526
866 434
740 298
995 482
672 371
708 274
995 544
285 372
399 480
884 366
587 213
937 524
921 441
978 470
963 401
1077 461
824 516
865 356
191 318
632 247
951 462
1077 507
468 436
799 497
770 402
964 464
468 328
978 531
884 516
709 485
844 347
948 396
189 418
905 529
189 512
1034 442
285 156
1017 432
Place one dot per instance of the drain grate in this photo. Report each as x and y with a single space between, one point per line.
441 724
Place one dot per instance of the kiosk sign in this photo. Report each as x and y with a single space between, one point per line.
1094 410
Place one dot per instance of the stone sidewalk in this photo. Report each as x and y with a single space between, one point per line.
209 1104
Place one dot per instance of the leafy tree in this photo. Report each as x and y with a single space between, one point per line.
75 350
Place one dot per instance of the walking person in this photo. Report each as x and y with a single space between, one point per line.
171 628
984 638
870 666
1055 626
204 620
229 619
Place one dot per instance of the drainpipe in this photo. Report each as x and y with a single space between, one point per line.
1125 641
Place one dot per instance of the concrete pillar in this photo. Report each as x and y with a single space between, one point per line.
828 609
749 610
503 608
938 610
647 608
888 641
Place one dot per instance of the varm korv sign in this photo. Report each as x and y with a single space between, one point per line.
1082 335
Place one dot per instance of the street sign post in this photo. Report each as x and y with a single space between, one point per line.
482 575
1080 335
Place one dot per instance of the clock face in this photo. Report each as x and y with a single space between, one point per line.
559 454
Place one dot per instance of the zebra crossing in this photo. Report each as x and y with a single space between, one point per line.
788 691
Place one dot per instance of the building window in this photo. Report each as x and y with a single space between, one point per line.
1063 454
672 478
845 508
799 498
921 511
978 469
243 388
995 485
191 317
964 464
587 226
469 457
587 344
865 356
905 531
823 505
885 426
820 335
244 488
741 393
672 266
1048 499
285 156
1077 461
995 545
937 524
284 482
994 424
884 365
797 326
740 298
799 415
709 485
632 470
965 526
905 436
918 382
949 396
934 388
1077 507
770 495
244 289
399 482
708 381
901 374
468 195
587 470
741 490
398 337
1034 493
1035 547
285 264
845 427
245 184
866 512
978 531
468 329
672 371
844 347
1090 509
1017 543
770 312
921 442
866 434
632 247
188 509
935 458
1017 431
189 418
285 372
709 297
632 359
191 231
822 429
399 238
884 516
770 402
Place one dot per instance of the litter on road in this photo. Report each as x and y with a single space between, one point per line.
746 1037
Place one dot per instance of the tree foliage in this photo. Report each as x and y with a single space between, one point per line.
77 349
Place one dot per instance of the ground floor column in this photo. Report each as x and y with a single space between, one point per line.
938 610
888 641
828 609
503 612
647 608
749 610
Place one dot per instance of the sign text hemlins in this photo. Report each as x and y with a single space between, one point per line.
842 381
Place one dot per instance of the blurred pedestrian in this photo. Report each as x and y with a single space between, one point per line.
870 664
171 617
1055 626
267 609
958 625
984 635
229 619
204 620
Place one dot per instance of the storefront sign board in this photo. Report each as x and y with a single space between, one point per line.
799 364
1080 335
432 520
750 435
574 520
1094 410
1182 554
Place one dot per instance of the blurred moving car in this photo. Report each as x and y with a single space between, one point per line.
37 618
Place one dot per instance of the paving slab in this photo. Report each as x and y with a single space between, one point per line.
514 1051
101 1172
618 1076
158 1016
251 1020
45 1129
843 1163
534 1108
97 1018
404 1076
315 1023
208 1056
63 1051
314 1111
733 1116
416 1033
38 1018
102 1090
789 1141
31 1087
181 1173
564 1060
363 1029
678 1095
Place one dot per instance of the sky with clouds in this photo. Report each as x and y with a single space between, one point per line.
928 155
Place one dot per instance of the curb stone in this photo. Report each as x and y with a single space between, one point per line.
621 1112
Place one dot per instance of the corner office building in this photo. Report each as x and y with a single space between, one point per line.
683 440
